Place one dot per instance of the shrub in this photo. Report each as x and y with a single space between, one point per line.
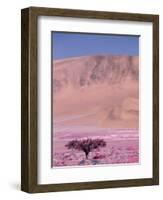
86 145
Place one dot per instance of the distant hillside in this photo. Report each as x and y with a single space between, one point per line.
102 88
85 71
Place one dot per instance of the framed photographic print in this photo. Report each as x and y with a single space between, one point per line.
90 99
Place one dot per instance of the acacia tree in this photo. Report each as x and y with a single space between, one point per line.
86 145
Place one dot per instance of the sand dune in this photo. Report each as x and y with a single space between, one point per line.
98 91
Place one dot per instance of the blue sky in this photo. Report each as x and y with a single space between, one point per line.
65 45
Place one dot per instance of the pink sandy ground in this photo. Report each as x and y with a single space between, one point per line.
122 147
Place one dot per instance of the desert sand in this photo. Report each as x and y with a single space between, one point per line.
100 90
96 97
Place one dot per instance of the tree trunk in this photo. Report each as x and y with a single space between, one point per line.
86 154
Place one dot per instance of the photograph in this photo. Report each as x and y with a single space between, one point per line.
95 99
90 99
